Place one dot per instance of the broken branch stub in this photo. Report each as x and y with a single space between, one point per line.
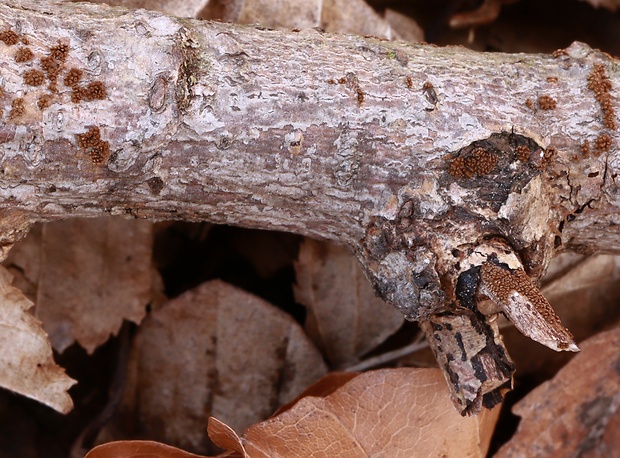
466 339
418 158
525 306
446 242
471 355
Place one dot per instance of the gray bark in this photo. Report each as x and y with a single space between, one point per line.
413 156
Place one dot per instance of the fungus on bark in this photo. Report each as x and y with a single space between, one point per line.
546 103
603 143
91 143
9 37
599 83
479 162
18 108
34 77
23 54
523 153
517 296
73 77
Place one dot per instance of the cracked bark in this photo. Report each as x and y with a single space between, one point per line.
427 162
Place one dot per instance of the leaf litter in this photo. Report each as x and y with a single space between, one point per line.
345 318
214 350
26 358
68 267
586 293
384 413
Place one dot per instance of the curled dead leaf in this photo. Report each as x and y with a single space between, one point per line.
345 317
384 413
180 8
225 437
84 289
338 16
26 357
577 413
138 449
214 350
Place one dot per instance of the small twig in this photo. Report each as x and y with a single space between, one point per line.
389 356
384 358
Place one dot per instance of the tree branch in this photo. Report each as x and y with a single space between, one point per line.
427 162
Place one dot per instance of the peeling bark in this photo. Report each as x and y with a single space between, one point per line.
427 162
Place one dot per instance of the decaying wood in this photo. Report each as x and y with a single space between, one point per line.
427 162
525 306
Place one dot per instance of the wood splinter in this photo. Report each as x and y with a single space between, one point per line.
525 306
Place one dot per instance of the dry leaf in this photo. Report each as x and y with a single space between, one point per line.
576 413
87 276
404 27
180 8
560 265
589 272
338 16
323 387
279 13
214 350
385 413
486 13
270 13
138 449
225 437
354 16
24 261
26 358
345 317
